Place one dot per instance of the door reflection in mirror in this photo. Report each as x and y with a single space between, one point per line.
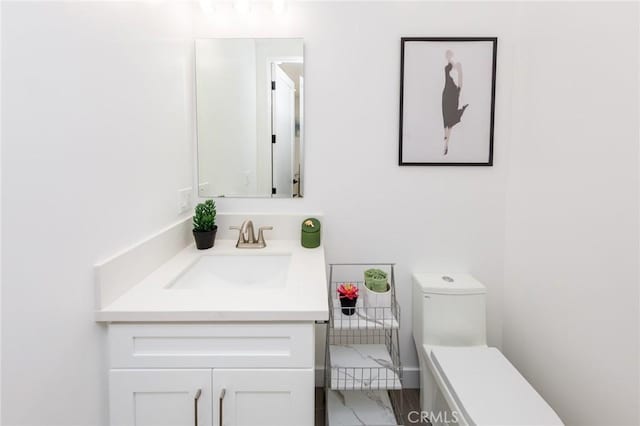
250 117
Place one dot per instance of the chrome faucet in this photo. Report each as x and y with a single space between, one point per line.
246 237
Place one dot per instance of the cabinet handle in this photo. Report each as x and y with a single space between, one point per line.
222 394
195 405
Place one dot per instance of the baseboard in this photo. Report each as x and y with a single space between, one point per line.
410 376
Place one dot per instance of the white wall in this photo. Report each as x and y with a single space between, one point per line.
423 218
572 202
571 278
97 139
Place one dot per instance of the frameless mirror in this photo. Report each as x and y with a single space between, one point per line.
250 110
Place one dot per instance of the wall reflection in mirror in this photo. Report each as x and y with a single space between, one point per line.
250 99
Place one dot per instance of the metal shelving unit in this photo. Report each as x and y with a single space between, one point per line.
364 317
362 360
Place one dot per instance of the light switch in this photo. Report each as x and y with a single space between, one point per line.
184 199
203 189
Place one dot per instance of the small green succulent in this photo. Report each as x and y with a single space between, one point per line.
204 219
376 280
376 274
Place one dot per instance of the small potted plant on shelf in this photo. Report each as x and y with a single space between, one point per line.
348 295
204 225
377 289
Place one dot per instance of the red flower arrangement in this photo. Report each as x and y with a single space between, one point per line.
348 291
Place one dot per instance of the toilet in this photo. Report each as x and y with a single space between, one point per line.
462 380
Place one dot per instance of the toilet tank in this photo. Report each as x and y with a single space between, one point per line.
448 310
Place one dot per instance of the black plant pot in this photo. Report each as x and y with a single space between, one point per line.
348 305
205 239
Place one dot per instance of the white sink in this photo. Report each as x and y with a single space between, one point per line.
281 282
250 272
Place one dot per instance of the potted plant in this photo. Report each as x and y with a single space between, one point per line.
375 280
204 225
377 289
348 295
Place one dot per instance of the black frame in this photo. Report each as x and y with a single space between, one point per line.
494 40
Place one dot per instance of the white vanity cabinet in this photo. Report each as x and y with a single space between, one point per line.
211 374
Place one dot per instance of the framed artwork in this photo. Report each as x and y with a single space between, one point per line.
447 101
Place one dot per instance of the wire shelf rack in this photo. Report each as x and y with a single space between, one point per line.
362 351
363 316
364 367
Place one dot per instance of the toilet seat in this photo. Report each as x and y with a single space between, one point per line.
487 389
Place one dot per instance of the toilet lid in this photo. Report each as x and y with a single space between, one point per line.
489 390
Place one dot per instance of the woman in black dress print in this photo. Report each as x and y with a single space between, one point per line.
451 114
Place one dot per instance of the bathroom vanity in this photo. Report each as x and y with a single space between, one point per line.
214 337
224 336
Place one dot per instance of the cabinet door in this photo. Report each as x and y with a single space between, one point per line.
263 397
160 397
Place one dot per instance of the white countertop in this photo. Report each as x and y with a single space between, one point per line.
303 297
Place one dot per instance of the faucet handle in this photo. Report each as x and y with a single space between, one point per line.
261 234
240 236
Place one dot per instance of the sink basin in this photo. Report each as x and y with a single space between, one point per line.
251 272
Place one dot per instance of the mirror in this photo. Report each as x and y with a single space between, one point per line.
250 110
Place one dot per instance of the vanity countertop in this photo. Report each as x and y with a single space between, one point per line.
303 297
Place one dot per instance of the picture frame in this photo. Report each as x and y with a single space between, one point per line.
447 101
